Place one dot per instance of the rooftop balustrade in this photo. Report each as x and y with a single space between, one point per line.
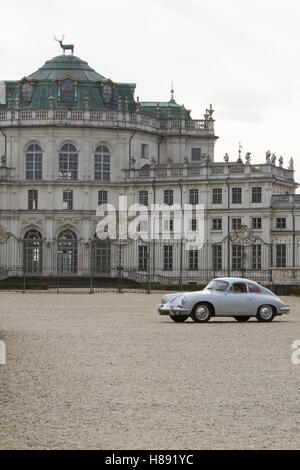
111 119
204 171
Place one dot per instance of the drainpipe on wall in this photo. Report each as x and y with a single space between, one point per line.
228 225
181 240
158 150
294 236
5 144
153 244
130 139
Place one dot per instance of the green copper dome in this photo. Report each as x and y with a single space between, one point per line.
63 65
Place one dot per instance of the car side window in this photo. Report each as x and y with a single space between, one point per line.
254 289
239 288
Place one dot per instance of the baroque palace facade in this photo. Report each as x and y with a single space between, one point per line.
71 139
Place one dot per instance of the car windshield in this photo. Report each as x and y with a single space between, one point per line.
217 285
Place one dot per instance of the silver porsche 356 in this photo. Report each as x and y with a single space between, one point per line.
224 297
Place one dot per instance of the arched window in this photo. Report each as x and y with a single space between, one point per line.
67 90
101 256
68 162
33 252
67 252
25 91
34 162
102 163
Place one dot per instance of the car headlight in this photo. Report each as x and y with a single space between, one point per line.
163 300
183 300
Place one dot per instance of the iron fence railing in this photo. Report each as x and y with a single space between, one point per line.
76 265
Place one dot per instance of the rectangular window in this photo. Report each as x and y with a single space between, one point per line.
102 166
168 257
236 223
196 155
256 195
34 165
68 199
68 166
256 256
193 225
194 197
143 198
281 222
256 223
217 257
236 195
168 225
217 224
102 198
281 255
143 258
168 197
217 196
193 260
67 90
236 257
144 150
32 199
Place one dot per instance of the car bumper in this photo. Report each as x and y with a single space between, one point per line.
284 310
170 310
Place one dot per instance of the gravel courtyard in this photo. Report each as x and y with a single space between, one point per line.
105 371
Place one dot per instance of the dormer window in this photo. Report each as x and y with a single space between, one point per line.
107 93
25 91
67 90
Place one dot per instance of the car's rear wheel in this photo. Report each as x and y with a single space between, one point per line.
242 319
179 318
265 313
201 313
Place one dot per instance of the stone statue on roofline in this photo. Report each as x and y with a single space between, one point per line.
226 158
248 158
138 104
273 159
280 161
209 113
203 158
291 166
268 157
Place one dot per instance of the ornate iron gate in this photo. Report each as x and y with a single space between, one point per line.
34 263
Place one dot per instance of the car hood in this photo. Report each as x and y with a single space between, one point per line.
177 295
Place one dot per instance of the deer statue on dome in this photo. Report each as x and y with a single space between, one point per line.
65 47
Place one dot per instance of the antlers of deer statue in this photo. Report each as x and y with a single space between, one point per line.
65 47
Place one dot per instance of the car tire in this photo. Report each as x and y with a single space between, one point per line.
201 313
265 313
242 319
179 318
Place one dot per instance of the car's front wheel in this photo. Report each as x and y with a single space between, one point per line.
179 318
265 313
242 319
201 313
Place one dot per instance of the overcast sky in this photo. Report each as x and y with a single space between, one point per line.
242 56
